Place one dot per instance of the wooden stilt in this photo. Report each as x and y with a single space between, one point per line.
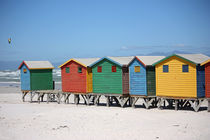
135 99
60 97
32 95
48 97
57 98
76 99
147 102
184 103
24 93
196 104
116 100
160 102
42 98
107 101
164 103
96 101
154 103
88 98
122 100
130 101
66 98
176 104
38 97
111 100
85 100
170 103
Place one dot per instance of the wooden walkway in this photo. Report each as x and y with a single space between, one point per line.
115 99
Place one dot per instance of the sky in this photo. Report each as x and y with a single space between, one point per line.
58 30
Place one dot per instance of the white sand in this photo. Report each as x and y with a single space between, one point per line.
32 121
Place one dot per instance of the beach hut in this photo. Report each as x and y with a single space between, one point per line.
111 75
36 75
142 75
76 75
207 77
180 75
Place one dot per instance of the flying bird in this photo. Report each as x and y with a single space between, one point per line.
9 40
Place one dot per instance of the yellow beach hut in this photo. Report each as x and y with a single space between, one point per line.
180 75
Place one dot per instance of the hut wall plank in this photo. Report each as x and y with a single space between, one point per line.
41 79
107 81
176 83
73 81
25 78
137 80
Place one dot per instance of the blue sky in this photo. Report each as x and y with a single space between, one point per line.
59 30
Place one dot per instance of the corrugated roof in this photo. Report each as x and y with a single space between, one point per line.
122 60
86 61
82 61
37 64
196 58
149 60
205 62
192 58
111 60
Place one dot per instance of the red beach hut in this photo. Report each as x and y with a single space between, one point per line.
76 75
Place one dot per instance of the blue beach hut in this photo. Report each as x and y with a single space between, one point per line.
142 75
36 75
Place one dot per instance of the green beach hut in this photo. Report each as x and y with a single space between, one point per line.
111 75
36 75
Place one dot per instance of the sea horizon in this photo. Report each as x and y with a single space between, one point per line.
11 78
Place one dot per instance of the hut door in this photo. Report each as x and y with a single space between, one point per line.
125 80
89 80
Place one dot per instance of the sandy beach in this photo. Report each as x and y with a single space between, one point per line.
23 120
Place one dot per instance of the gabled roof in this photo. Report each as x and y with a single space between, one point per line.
196 58
192 58
205 62
93 64
148 60
82 61
120 61
37 65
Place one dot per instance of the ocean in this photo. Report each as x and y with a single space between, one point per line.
12 77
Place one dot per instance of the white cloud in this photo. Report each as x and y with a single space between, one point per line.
124 48
180 45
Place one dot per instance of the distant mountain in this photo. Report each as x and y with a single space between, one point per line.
167 53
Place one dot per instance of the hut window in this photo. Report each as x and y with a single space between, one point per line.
185 68
79 69
114 69
165 68
24 70
137 68
99 68
67 70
